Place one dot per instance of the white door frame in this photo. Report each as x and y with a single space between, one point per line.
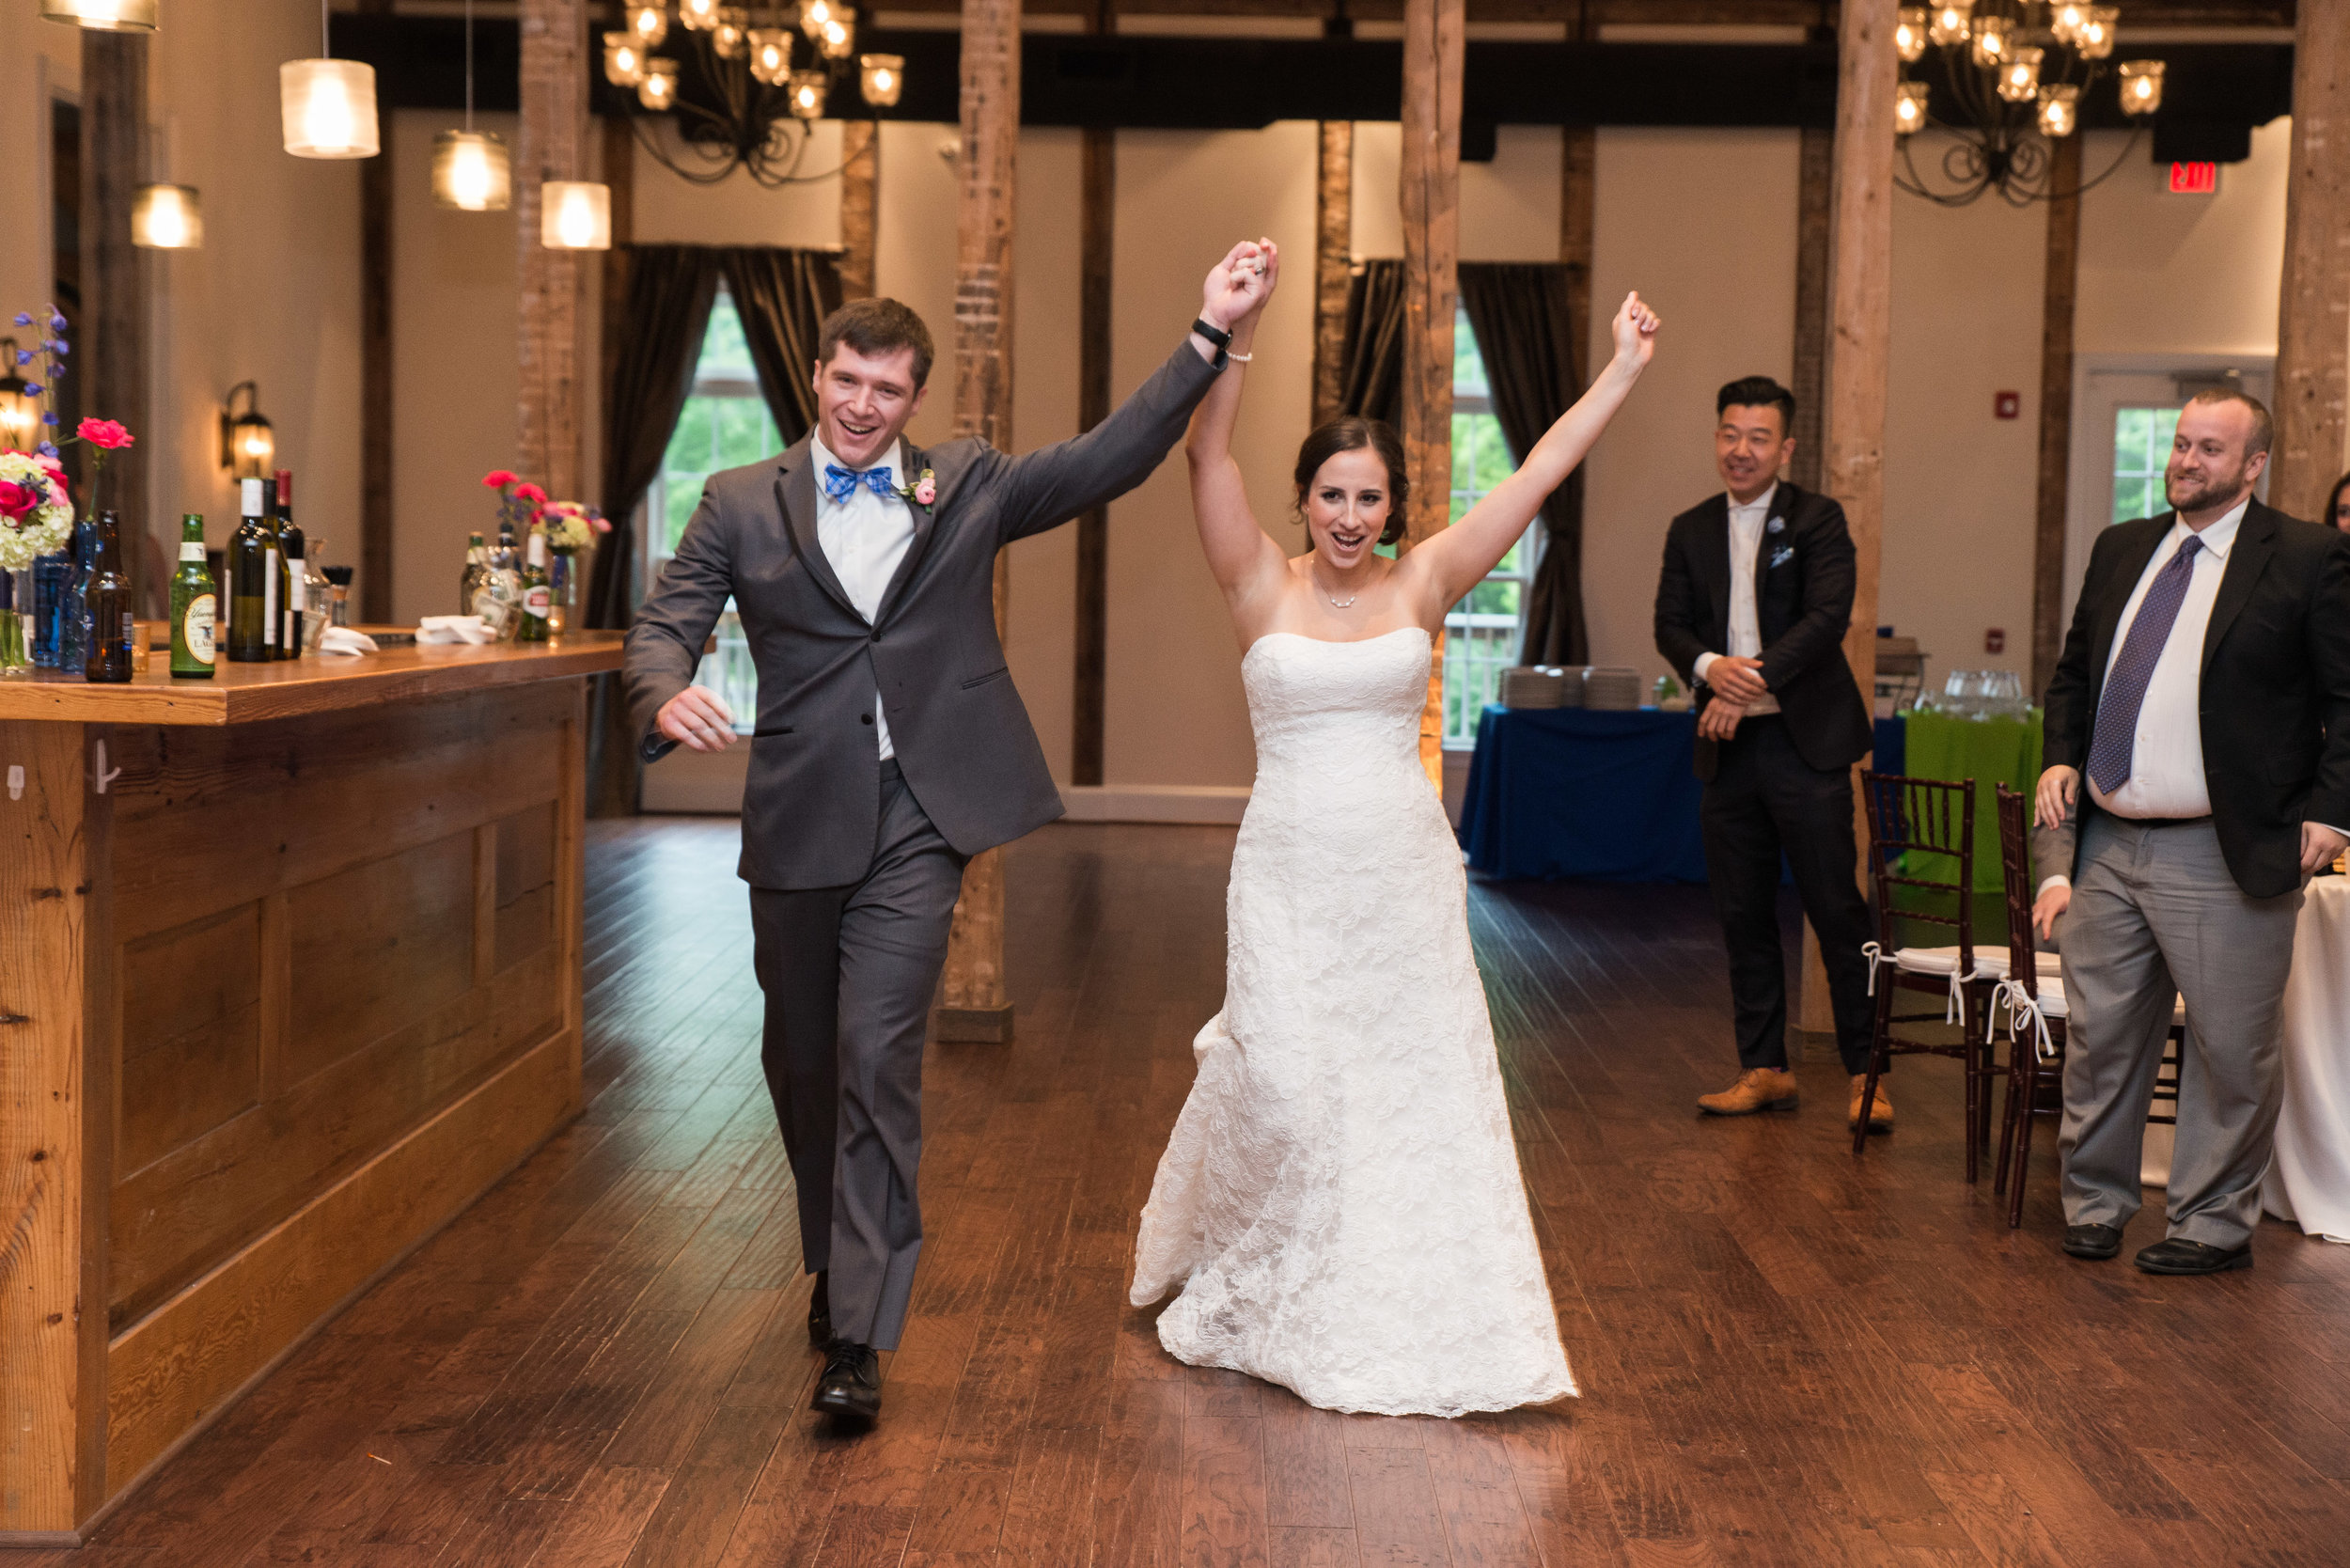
2103 384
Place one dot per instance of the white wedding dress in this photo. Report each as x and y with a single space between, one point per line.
1341 1203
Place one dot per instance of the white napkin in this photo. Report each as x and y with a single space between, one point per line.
454 628
342 639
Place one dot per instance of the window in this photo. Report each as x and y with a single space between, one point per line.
1481 632
724 424
2141 450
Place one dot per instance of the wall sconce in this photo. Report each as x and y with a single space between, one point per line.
575 215
20 414
168 217
328 108
471 171
247 445
2141 87
103 16
883 79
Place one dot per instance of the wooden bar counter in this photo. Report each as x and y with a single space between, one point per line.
288 976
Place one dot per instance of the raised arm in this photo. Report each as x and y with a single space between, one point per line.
1458 558
1242 557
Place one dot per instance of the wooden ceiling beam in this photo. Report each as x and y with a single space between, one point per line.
1602 13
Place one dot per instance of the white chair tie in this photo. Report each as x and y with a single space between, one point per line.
2020 1001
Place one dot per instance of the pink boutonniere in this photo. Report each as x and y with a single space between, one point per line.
923 492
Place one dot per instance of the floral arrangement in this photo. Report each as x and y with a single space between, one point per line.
571 526
519 500
35 513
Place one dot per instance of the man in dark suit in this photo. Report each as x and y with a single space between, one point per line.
891 747
1751 610
2204 692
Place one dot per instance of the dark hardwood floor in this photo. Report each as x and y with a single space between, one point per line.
1789 1355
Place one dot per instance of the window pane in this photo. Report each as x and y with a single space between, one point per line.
1481 632
713 430
2141 450
1468 366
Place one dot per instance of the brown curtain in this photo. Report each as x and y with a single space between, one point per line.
783 296
1370 371
1518 310
647 376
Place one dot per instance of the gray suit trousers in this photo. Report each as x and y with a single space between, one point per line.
848 974
2155 915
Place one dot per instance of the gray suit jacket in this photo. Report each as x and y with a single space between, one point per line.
812 806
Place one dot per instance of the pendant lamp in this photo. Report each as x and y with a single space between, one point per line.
327 106
471 171
167 218
103 16
575 215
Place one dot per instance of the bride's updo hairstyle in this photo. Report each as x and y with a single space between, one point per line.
1352 434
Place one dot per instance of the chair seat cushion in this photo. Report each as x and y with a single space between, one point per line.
1990 962
2053 1003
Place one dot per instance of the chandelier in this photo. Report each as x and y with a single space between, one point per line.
2017 70
758 87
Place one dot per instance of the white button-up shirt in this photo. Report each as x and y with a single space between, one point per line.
2167 757
1746 623
864 540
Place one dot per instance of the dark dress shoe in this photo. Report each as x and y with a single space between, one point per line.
2098 1242
2180 1256
820 1314
850 1386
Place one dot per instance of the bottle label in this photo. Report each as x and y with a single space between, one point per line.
537 602
269 600
191 549
195 627
298 599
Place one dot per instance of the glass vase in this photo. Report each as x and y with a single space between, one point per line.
562 591
73 615
16 615
51 574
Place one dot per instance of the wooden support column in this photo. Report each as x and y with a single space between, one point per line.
2314 307
860 187
1860 296
1814 192
2059 290
1097 234
377 409
1434 35
1334 264
976 1006
112 355
552 145
620 173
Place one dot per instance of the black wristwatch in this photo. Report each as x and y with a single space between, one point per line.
1220 339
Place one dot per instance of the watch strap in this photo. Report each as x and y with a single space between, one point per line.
1220 338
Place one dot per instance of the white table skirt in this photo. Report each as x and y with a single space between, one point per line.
2308 1179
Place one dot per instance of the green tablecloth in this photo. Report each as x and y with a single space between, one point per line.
1992 752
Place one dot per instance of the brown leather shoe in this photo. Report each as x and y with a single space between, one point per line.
1758 1088
1880 1107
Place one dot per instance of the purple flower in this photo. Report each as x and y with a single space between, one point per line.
58 347
22 357
47 418
33 389
23 319
47 449
57 322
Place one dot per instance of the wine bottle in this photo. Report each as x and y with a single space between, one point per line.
476 555
537 598
108 657
289 546
252 581
193 606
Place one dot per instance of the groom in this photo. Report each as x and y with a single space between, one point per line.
889 747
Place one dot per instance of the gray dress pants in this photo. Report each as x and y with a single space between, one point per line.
849 973
2155 916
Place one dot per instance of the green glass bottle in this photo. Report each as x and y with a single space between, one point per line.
288 644
537 598
252 581
194 606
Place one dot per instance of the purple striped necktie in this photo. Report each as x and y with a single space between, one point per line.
2110 750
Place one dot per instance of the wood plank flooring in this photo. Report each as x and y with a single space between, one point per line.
1788 1355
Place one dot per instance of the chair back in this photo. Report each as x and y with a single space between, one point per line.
2023 962
1934 817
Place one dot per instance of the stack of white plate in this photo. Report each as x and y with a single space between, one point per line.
1532 687
1570 685
1610 689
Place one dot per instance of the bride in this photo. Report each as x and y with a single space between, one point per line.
1339 1204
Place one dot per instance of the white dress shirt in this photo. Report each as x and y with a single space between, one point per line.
1746 624
864 540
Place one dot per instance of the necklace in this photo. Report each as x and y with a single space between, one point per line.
1336 601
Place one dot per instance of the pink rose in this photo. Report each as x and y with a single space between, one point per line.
498 479
927 491
17 500
55 471
530 493
598 522
107 434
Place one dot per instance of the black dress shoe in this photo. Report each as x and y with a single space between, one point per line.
2098 1242
820 1314
2180 1256
850 1386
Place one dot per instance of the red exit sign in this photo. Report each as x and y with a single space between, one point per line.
2194 178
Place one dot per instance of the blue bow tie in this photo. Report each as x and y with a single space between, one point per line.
840 483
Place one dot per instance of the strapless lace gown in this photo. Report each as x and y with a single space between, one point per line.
1341 1203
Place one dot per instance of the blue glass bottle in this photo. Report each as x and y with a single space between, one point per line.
74 629
49 575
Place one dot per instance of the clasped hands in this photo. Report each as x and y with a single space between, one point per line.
1736 682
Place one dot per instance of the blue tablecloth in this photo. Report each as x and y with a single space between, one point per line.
1607 797
1570 792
